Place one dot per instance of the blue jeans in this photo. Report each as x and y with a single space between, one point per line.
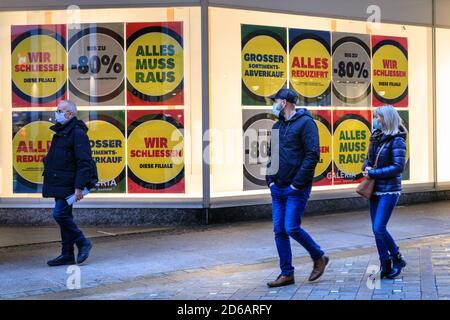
70 234
288 207
381 207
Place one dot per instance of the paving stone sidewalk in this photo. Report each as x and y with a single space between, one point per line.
236 261
348 277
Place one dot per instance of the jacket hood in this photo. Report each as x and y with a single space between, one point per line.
298 114
80 124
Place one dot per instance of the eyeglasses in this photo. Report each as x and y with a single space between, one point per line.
61 111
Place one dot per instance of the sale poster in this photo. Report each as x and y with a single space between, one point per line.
310 66
31 140
257 130
155 63
351 70
323 172
155 151
351 137
96 64
264 63
38 65
107 139
390 71
405 118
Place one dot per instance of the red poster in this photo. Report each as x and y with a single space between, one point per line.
390 71
351 136
323 172
38 65
155 63
155 151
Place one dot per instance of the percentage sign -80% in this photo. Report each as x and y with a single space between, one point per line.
348 69
94 64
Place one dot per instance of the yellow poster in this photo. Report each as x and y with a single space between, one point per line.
155 63
351 139
38 65
310 66
31 141
107 139
155 151
323 171
264 63
390 71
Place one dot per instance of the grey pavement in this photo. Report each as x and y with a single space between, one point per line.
234 261
18 236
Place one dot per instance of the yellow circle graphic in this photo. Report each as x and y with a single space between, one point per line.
390 72
155 64
108 149
39 66
325 149
156 151
310 68
351 142
264 65
30 145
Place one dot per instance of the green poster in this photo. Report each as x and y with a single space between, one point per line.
405 117
264 63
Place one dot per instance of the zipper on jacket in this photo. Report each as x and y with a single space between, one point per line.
286 129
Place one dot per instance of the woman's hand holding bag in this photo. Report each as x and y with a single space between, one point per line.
366 187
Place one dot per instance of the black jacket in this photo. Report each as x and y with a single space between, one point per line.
298 151
68 164
391 163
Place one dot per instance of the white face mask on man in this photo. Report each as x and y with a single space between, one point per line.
277 107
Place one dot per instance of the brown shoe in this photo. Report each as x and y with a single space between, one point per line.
319 268
282 281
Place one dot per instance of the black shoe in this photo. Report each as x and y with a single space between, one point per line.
83 252
61 261
397 265
385 268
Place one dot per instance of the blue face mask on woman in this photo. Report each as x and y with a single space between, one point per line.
376 125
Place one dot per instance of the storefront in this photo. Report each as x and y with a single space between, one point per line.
176 95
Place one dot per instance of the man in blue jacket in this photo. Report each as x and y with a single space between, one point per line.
294 155
68 169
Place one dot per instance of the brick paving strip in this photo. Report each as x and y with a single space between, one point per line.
427 283
427 276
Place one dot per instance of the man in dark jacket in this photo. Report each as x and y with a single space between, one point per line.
294 152
68 169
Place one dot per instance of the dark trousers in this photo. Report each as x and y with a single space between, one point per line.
70 234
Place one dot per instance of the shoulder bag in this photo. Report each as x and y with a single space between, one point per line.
365 188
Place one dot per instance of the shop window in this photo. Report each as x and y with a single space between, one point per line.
135 75
341 69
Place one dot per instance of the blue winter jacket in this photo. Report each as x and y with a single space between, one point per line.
295 154
391 163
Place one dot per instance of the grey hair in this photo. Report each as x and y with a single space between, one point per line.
70 106
391 121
